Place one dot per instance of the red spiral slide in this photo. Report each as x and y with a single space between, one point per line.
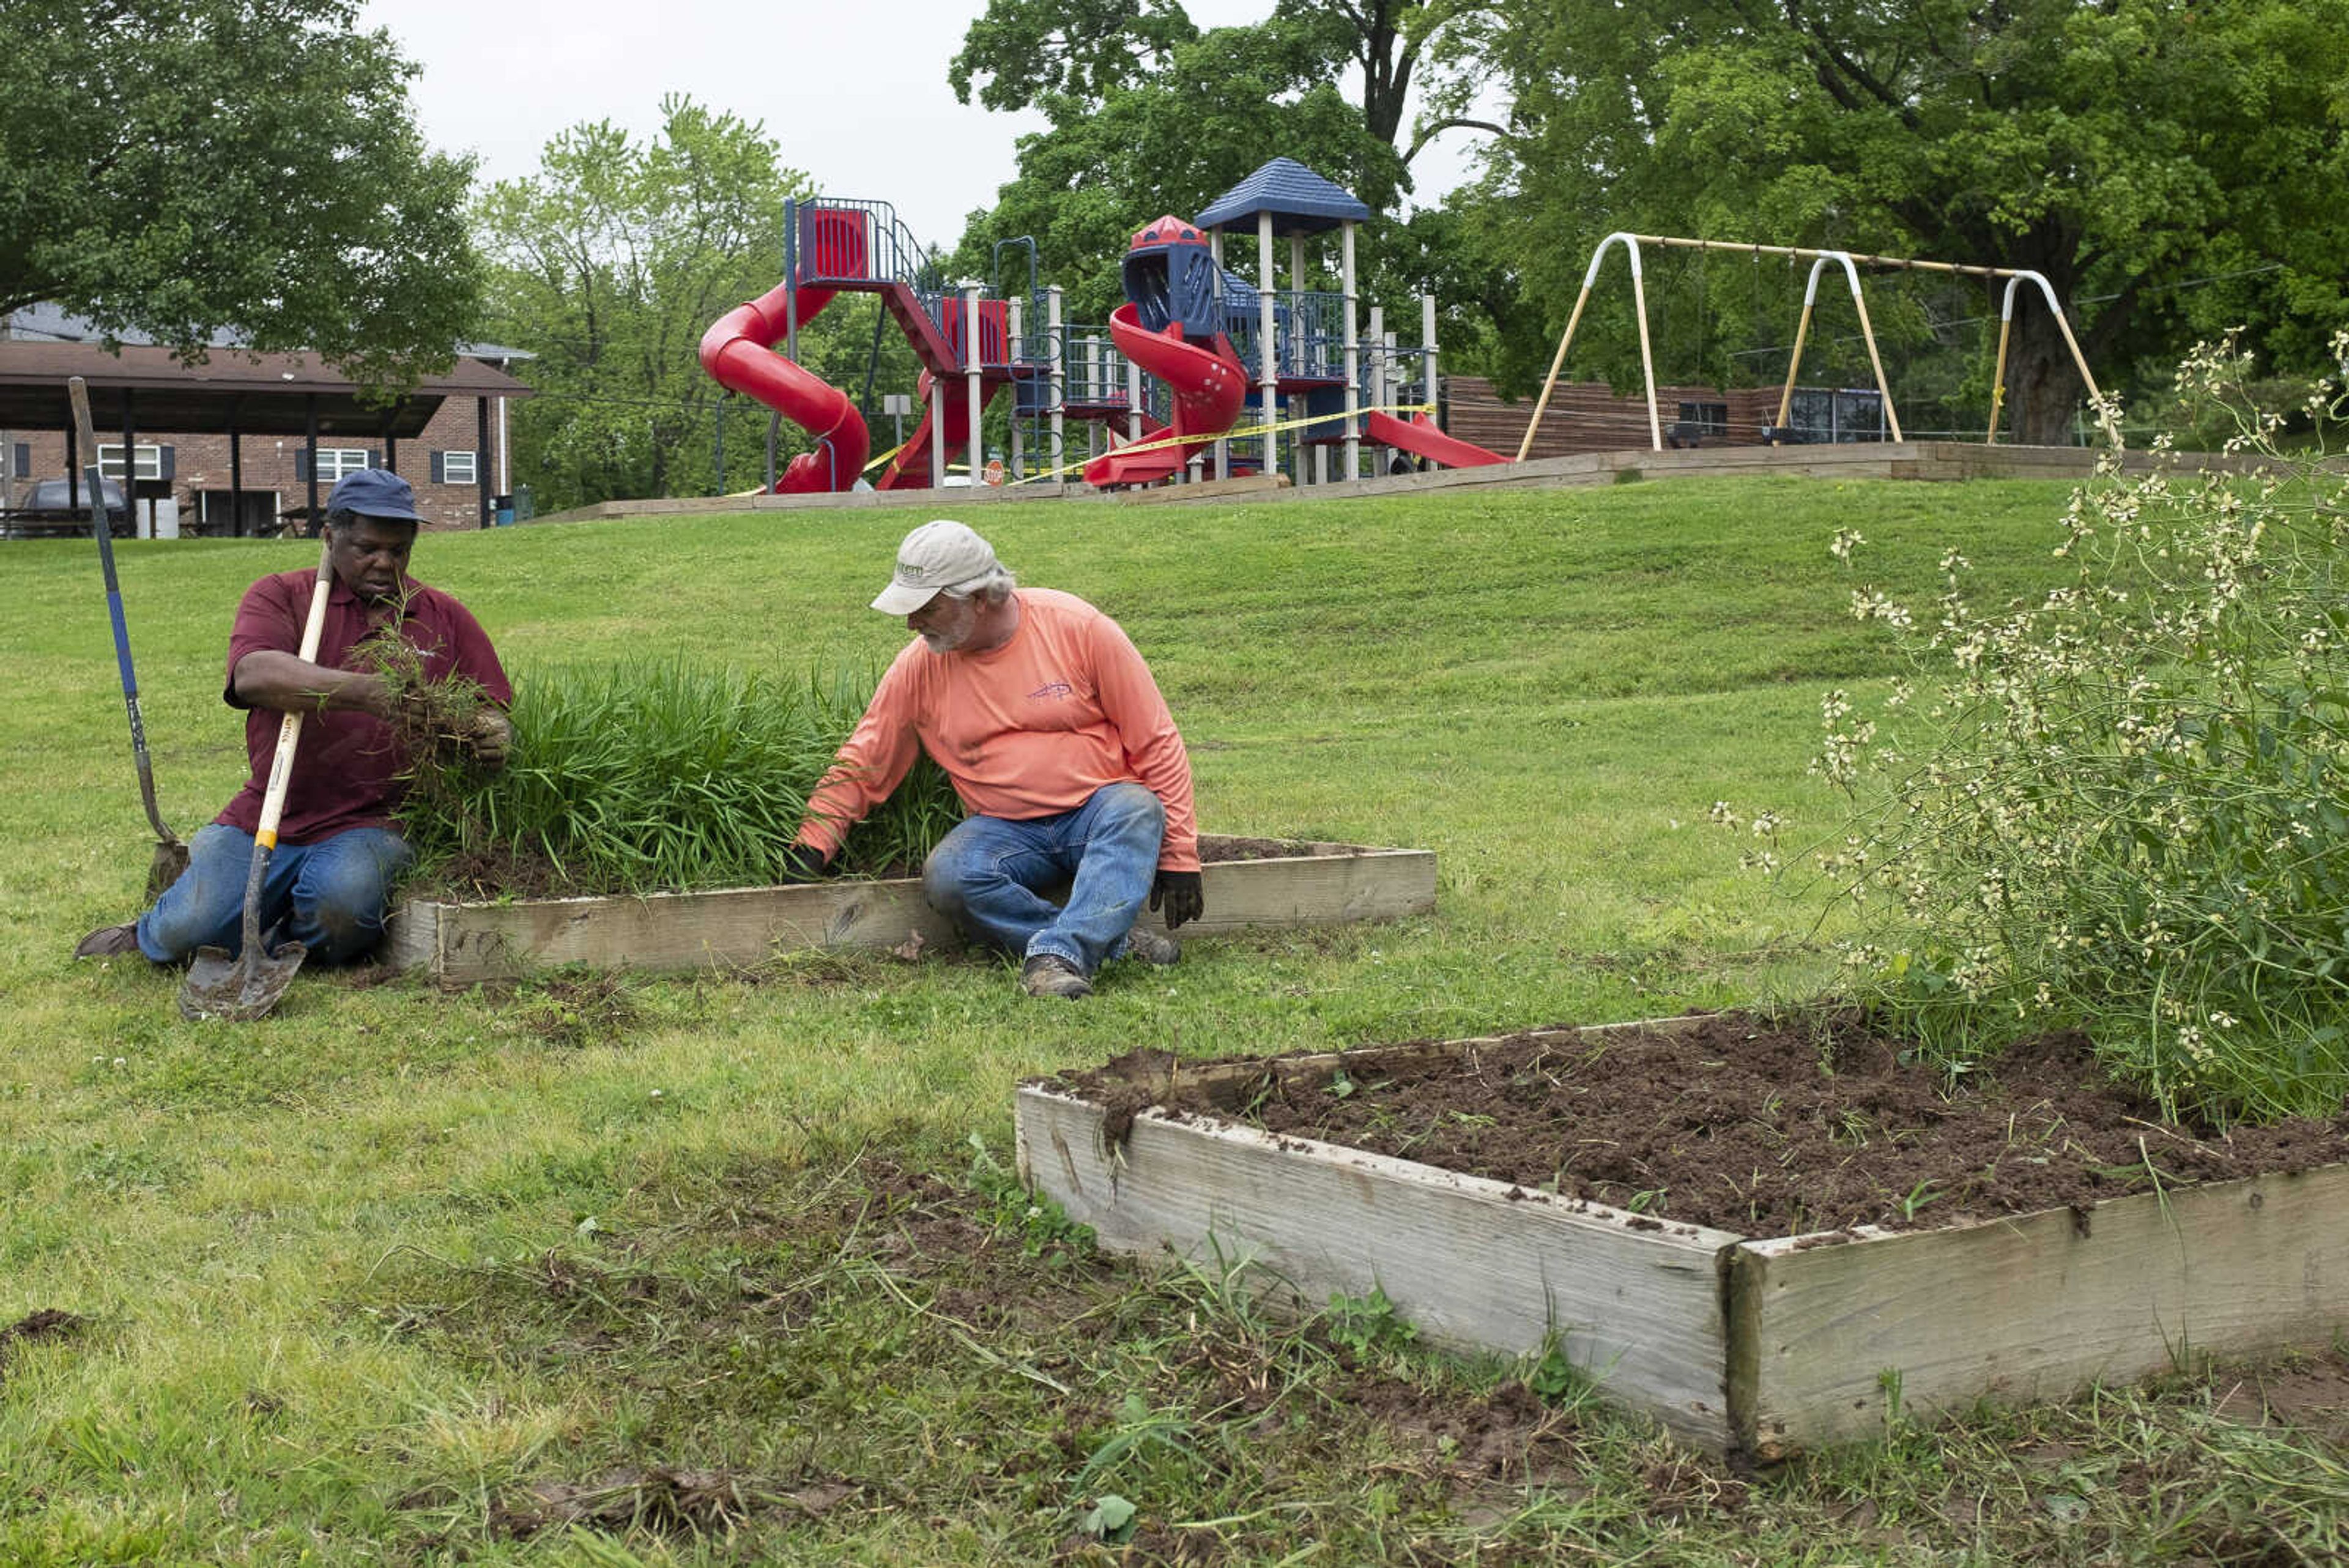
738 352
1208 385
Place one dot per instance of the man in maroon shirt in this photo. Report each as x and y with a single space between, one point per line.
339 851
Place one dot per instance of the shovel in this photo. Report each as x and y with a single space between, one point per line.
246 987
170 855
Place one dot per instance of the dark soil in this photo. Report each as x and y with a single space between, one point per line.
47 1324
506 872
1732 1121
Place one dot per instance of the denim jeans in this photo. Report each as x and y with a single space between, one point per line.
329 896
985 876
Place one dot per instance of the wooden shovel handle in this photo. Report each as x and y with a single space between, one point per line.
289 732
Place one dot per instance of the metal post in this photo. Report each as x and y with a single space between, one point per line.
971 374
1427 337
718 445
1378 398
1060 382
1268 355
1015 349
791 279
935 411
1132 400
1353 364
774 438
1300 345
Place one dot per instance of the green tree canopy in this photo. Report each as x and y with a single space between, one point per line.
610 263
1149 115
2129 150
247 166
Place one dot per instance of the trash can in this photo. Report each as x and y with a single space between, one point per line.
502 506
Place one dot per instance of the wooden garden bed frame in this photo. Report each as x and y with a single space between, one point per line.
1317 883
1755 1348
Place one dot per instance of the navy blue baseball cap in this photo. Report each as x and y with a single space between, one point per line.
375 492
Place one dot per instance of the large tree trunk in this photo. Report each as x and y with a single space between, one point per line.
2043 390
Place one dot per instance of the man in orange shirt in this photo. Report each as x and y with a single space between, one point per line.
1043 713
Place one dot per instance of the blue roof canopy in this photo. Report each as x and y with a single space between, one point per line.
1300 201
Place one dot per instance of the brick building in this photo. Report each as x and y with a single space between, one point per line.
232 446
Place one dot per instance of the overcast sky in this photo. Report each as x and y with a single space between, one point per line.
855 94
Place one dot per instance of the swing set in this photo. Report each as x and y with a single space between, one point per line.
1851 262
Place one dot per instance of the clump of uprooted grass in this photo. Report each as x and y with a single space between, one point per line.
657 774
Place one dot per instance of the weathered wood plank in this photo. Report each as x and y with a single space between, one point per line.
1471 1263
465 943
1247 487
2037 1307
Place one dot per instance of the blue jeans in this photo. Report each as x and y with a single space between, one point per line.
329 896
986 874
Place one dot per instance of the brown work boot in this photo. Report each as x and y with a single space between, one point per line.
1049 974
109 941
1152 946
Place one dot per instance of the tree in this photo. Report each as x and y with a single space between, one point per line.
246 166
1150 116
610 263
2125 148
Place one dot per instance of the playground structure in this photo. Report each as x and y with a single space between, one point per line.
1201 372
1851 262
1216 352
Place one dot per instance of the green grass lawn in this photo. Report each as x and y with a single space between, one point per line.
710 1269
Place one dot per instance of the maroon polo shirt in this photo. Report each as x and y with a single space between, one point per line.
344 764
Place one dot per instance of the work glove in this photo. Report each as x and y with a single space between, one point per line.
1180 892
803 863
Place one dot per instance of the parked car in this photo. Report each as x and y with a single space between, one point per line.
44 509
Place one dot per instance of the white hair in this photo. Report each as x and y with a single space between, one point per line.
994 585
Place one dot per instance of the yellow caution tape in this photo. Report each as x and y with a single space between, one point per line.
1237 433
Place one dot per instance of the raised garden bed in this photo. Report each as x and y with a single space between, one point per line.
2027 1273
1249 882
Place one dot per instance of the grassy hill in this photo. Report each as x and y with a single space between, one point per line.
709 1269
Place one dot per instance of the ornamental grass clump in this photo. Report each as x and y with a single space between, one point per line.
2125 809
657 775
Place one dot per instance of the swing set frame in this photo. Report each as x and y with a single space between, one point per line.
1851 262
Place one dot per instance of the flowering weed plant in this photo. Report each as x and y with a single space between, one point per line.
2125 807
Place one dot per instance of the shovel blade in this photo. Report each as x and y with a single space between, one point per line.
239 988
169 863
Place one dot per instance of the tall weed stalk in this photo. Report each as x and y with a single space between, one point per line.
2125 807
657 774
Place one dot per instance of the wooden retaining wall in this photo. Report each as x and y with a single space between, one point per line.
1315 883
1761 1348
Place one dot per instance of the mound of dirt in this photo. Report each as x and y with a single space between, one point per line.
1733 1121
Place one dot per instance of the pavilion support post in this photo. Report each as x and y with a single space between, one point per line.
235 475
130 470
310 442
481 464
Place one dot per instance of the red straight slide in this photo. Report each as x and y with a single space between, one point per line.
738 353
1208 385
1420 438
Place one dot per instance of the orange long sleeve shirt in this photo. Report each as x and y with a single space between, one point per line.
1027 729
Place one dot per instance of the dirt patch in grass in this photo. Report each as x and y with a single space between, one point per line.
1737 1122
2311 1396
663 1500
47 1324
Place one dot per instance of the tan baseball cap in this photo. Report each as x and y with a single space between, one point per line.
935 557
